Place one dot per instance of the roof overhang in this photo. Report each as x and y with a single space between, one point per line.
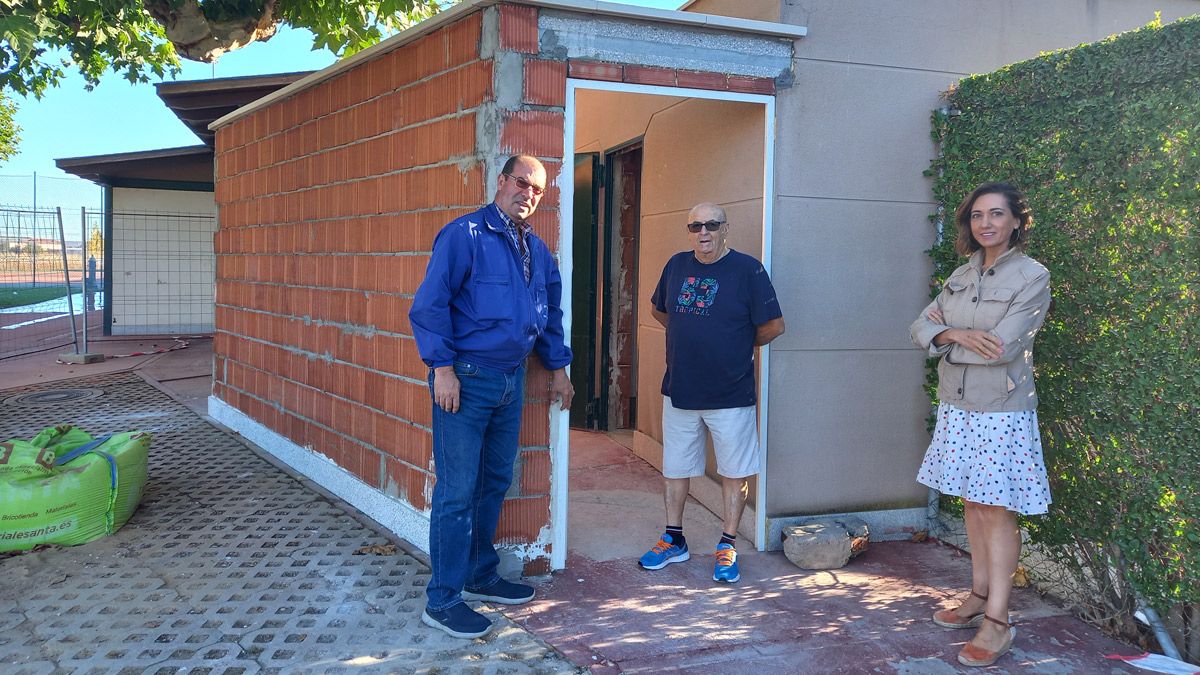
192 165
612 10
197 103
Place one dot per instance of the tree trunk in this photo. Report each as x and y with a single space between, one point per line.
198 38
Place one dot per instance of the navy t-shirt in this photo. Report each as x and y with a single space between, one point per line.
713 312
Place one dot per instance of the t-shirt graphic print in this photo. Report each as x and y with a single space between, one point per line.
710 344
696 295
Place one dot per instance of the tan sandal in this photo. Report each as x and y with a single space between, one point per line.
950 618
978 657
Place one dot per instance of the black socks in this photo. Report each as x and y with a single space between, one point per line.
677 537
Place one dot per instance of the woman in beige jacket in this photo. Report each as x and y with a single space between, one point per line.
986 447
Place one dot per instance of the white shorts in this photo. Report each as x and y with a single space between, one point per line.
735 440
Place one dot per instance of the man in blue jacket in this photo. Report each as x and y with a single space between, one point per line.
491 295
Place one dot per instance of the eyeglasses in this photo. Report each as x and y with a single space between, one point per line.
711 225
523 185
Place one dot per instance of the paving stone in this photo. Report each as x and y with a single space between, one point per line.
228 566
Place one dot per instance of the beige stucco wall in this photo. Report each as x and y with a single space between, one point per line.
847 426
163 269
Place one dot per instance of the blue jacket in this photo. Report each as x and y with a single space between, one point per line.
475 306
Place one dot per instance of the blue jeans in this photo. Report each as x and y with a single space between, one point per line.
473 451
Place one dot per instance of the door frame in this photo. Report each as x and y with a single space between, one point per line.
560 440
607 324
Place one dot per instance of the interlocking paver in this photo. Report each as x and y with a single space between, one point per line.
230 565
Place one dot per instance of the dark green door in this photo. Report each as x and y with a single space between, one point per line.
585 284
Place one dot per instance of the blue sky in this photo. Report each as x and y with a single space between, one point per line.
119 117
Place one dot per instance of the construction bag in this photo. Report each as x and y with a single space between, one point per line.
65 487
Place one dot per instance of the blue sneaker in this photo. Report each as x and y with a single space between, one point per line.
458 621
664 553
502 592
726 570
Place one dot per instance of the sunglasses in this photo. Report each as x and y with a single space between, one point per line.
711 225
523 185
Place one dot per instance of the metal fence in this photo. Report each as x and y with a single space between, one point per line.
163 271
52 278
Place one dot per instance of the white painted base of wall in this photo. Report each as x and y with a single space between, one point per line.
886 525
400 518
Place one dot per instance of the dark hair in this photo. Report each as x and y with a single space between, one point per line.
966 244
512 161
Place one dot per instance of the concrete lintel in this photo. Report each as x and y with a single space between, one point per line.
676 16
618 40
885 525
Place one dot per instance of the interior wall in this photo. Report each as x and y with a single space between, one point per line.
163 269
607 119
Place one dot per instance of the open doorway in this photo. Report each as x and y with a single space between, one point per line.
607 211
640 157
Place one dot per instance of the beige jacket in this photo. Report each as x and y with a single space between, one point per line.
1009 301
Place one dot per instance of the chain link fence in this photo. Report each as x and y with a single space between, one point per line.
163 272
51 279
155 277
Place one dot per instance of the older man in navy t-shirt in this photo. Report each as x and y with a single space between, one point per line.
717 306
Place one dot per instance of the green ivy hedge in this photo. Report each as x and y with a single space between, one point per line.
1105 140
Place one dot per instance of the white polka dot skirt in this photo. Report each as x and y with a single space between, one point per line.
988 458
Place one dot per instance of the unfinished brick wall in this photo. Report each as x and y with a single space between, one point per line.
329 202
535 127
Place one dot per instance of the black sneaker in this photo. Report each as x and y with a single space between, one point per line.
459 621
502 592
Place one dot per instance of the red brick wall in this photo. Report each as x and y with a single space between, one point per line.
669 77
535 128
329 201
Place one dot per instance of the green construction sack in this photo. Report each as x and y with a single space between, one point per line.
62 438
130 451
37 455
91 491
22 458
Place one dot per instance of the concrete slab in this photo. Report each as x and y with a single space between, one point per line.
181 368
616 509
80 359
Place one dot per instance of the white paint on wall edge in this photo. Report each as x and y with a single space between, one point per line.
401 519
